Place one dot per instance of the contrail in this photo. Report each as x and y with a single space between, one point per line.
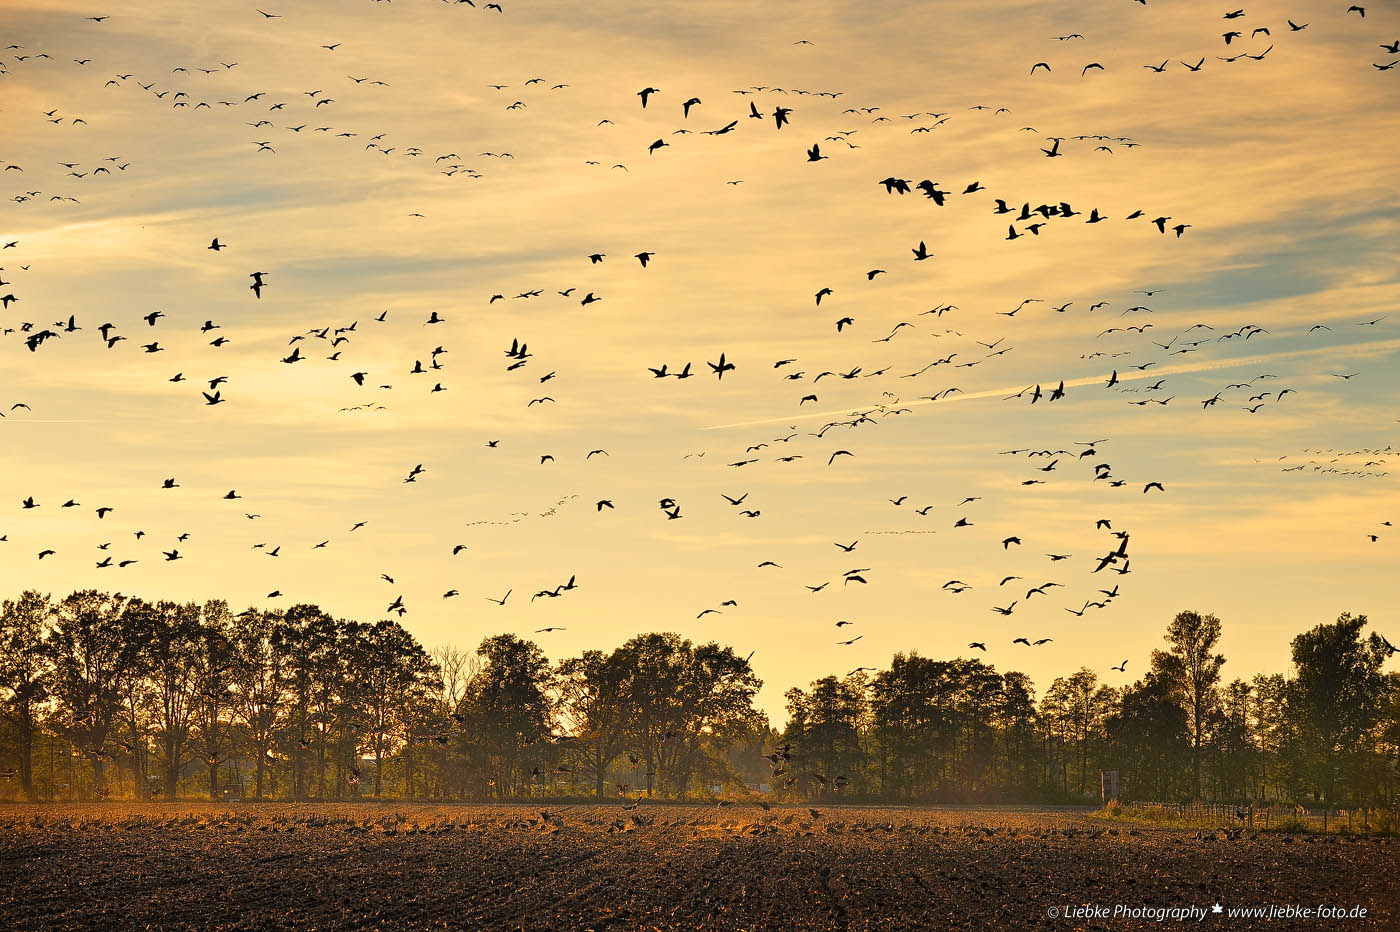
1131 376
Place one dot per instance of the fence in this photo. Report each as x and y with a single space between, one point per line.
1271 816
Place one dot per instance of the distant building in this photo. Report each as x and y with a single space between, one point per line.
1108 786
764 788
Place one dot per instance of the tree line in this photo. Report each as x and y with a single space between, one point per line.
926 729
104 695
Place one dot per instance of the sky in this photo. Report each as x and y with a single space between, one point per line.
448 191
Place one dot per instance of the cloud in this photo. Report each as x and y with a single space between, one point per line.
1283 168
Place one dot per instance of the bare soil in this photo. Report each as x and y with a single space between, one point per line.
393 866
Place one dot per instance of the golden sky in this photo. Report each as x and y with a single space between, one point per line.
1283 168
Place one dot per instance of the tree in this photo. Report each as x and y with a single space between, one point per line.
1276 734
170 634
509 707
1014 717
133 727
1193 668
393 670
259 678
826 725
1337 699
309 640
456 668
1149 737
594 707
421 720
93 647
24 674
1086 704
687 701
910 719
342 697
1235 751
213 661
103 678
979 699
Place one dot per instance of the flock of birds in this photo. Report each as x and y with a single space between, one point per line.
580 821
1144 359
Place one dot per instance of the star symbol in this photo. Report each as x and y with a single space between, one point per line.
1217 908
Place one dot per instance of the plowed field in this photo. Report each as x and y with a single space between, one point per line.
272 866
